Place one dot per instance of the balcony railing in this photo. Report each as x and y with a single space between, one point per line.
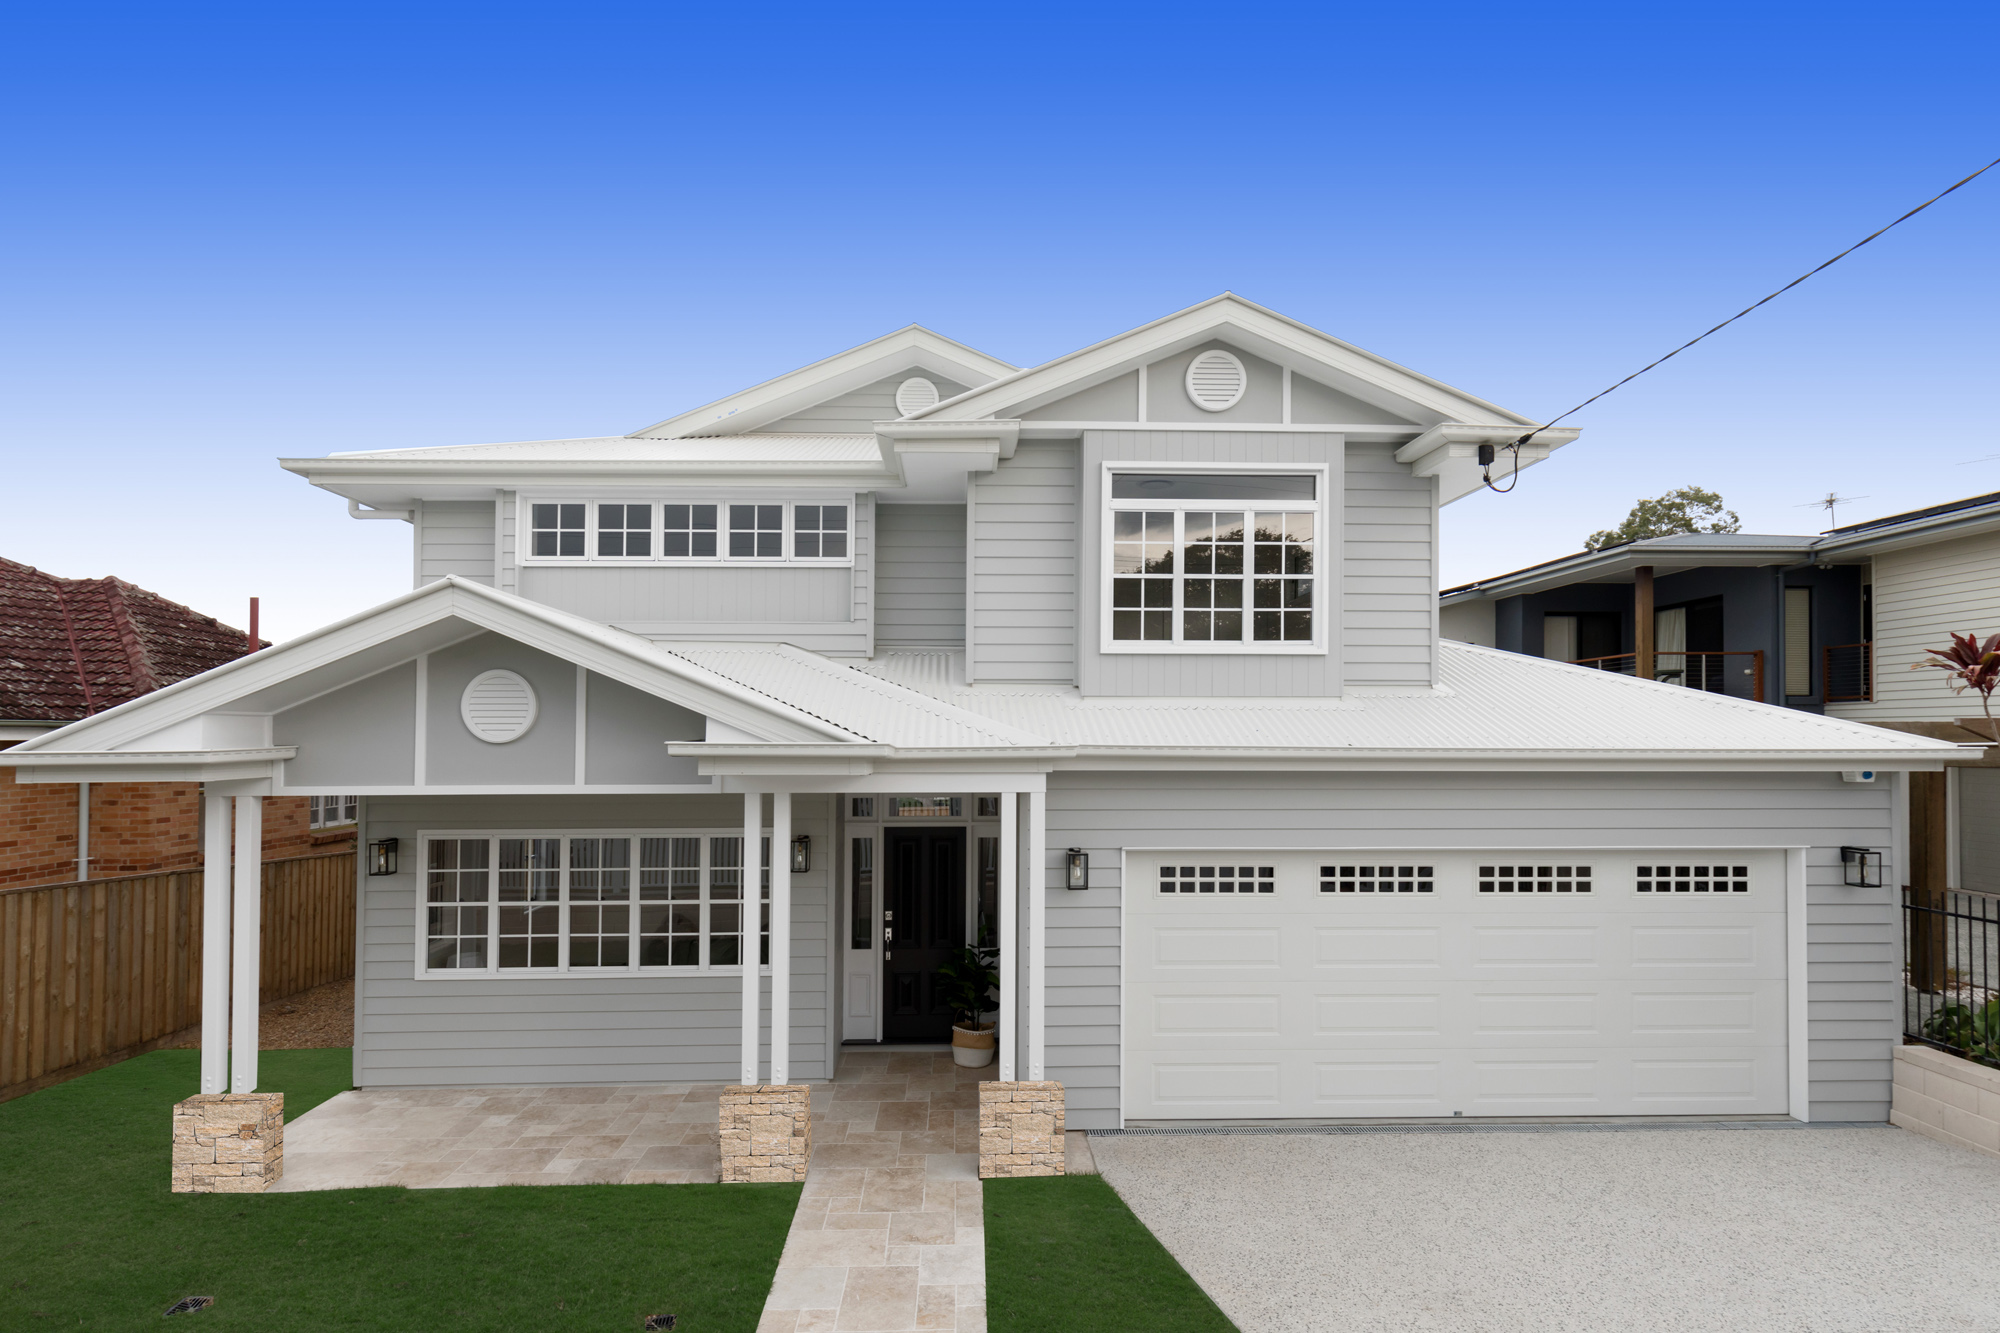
1848 672
1738 673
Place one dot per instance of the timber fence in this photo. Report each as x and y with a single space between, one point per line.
94 972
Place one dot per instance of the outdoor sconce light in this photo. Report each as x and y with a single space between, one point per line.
1077 869
1862 867
382 857
802 854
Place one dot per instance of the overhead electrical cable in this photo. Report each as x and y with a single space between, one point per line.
1516 445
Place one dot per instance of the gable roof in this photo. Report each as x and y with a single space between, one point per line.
1275 337
914 348
70 648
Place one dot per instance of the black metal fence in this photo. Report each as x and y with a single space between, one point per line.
1951 972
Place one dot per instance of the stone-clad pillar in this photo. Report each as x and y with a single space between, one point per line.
229 1143
766 1131
1020 1129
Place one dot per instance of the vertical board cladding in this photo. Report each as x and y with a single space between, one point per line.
920 576
493 1031
506 565
1923 595
1388 596
455 537
1022 621
1206 674
1852 935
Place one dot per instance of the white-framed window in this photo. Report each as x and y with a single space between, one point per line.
591 902
332 811
1214 560
671 531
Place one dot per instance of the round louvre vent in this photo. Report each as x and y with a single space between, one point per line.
1216 380
915 394
498 706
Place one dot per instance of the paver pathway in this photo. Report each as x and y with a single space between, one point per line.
890 1234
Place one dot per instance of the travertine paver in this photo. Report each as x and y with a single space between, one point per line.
890 1234
455 1137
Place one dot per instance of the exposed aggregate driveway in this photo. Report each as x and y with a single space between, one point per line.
1779 1230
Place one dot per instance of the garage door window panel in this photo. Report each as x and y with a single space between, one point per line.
1234 879
1539 878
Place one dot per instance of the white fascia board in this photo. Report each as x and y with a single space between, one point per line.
914 347
1135 759
153 766
392 483
950 436
1450 452
1616 565
1918 532
1263 331
612 653
1354 433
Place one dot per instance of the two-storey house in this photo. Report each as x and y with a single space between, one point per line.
695 751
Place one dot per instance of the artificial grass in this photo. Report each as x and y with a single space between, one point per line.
1064 1253
91 1237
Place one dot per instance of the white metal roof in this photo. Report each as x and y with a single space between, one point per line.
749 448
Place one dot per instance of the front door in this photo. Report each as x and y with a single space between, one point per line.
923 923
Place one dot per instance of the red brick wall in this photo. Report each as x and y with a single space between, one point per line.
135 828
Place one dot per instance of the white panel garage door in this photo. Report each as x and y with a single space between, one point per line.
1352 984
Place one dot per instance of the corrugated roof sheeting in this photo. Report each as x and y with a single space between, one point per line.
773 448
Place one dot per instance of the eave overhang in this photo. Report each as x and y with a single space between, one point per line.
151 765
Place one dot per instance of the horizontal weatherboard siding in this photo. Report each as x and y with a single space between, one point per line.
455 537
920 576
1388 583
1922 596
1022 621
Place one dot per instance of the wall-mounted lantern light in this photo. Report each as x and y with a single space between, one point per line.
802 854
1077 869
1862 868
382 857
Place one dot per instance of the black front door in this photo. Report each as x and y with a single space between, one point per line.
923 922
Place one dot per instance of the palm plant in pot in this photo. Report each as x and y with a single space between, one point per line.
968 984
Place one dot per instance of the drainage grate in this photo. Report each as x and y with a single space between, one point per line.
1587 1127
189 1304
658 1321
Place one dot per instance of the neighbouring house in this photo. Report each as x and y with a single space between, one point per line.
1831 623
72 648
1129 663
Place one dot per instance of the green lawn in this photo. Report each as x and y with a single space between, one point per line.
91 1238
1065 1253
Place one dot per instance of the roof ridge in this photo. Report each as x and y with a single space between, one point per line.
137 657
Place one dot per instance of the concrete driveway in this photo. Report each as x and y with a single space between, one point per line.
1688 1230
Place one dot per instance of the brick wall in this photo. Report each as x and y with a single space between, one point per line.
135 828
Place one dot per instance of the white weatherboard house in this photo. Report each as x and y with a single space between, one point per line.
927 622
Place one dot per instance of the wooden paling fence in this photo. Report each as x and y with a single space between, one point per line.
91 973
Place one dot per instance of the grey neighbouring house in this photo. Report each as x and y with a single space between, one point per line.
1830 623
1129 662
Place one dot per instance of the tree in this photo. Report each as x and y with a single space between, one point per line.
1973 664
1689 509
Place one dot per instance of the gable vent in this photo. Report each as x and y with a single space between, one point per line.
915 394
498 706
1216 380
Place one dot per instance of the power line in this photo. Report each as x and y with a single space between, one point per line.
1747 309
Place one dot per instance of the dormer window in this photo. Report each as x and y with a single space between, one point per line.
1213 562
659 531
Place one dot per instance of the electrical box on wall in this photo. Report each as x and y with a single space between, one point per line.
1858 775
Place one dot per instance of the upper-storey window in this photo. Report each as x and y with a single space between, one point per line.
1213 561
667 533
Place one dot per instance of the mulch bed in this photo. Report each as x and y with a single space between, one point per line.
311 1020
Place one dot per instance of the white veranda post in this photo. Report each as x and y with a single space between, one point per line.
753 834
247 938
215 956
781 937
1038 929
1010 930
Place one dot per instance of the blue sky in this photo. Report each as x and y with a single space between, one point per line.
239 233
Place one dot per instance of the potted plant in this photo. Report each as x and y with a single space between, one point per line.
967 984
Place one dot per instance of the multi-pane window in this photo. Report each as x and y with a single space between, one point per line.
927 807
1534 879
328 811
1218 879
756 531
687 531
819 531
1715 878
1187 569
1376 879
625 530
593 901
558 529
619 530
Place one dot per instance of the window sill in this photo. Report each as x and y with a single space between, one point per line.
1159 648
569 974
687 562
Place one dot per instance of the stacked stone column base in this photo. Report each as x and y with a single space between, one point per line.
1020 1130
229 1142
766 1132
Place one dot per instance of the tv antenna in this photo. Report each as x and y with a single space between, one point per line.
1829 502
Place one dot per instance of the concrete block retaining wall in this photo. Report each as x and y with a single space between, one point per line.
1948 1099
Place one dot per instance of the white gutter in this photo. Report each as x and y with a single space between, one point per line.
354 510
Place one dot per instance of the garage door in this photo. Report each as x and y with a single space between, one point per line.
1393 983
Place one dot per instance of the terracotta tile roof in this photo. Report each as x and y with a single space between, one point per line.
73 647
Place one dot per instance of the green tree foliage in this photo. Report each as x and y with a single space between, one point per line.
1689 509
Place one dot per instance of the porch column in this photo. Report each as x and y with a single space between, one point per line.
248 941
215 956
781 937
1038 932
1010 895
753 833
1642 622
